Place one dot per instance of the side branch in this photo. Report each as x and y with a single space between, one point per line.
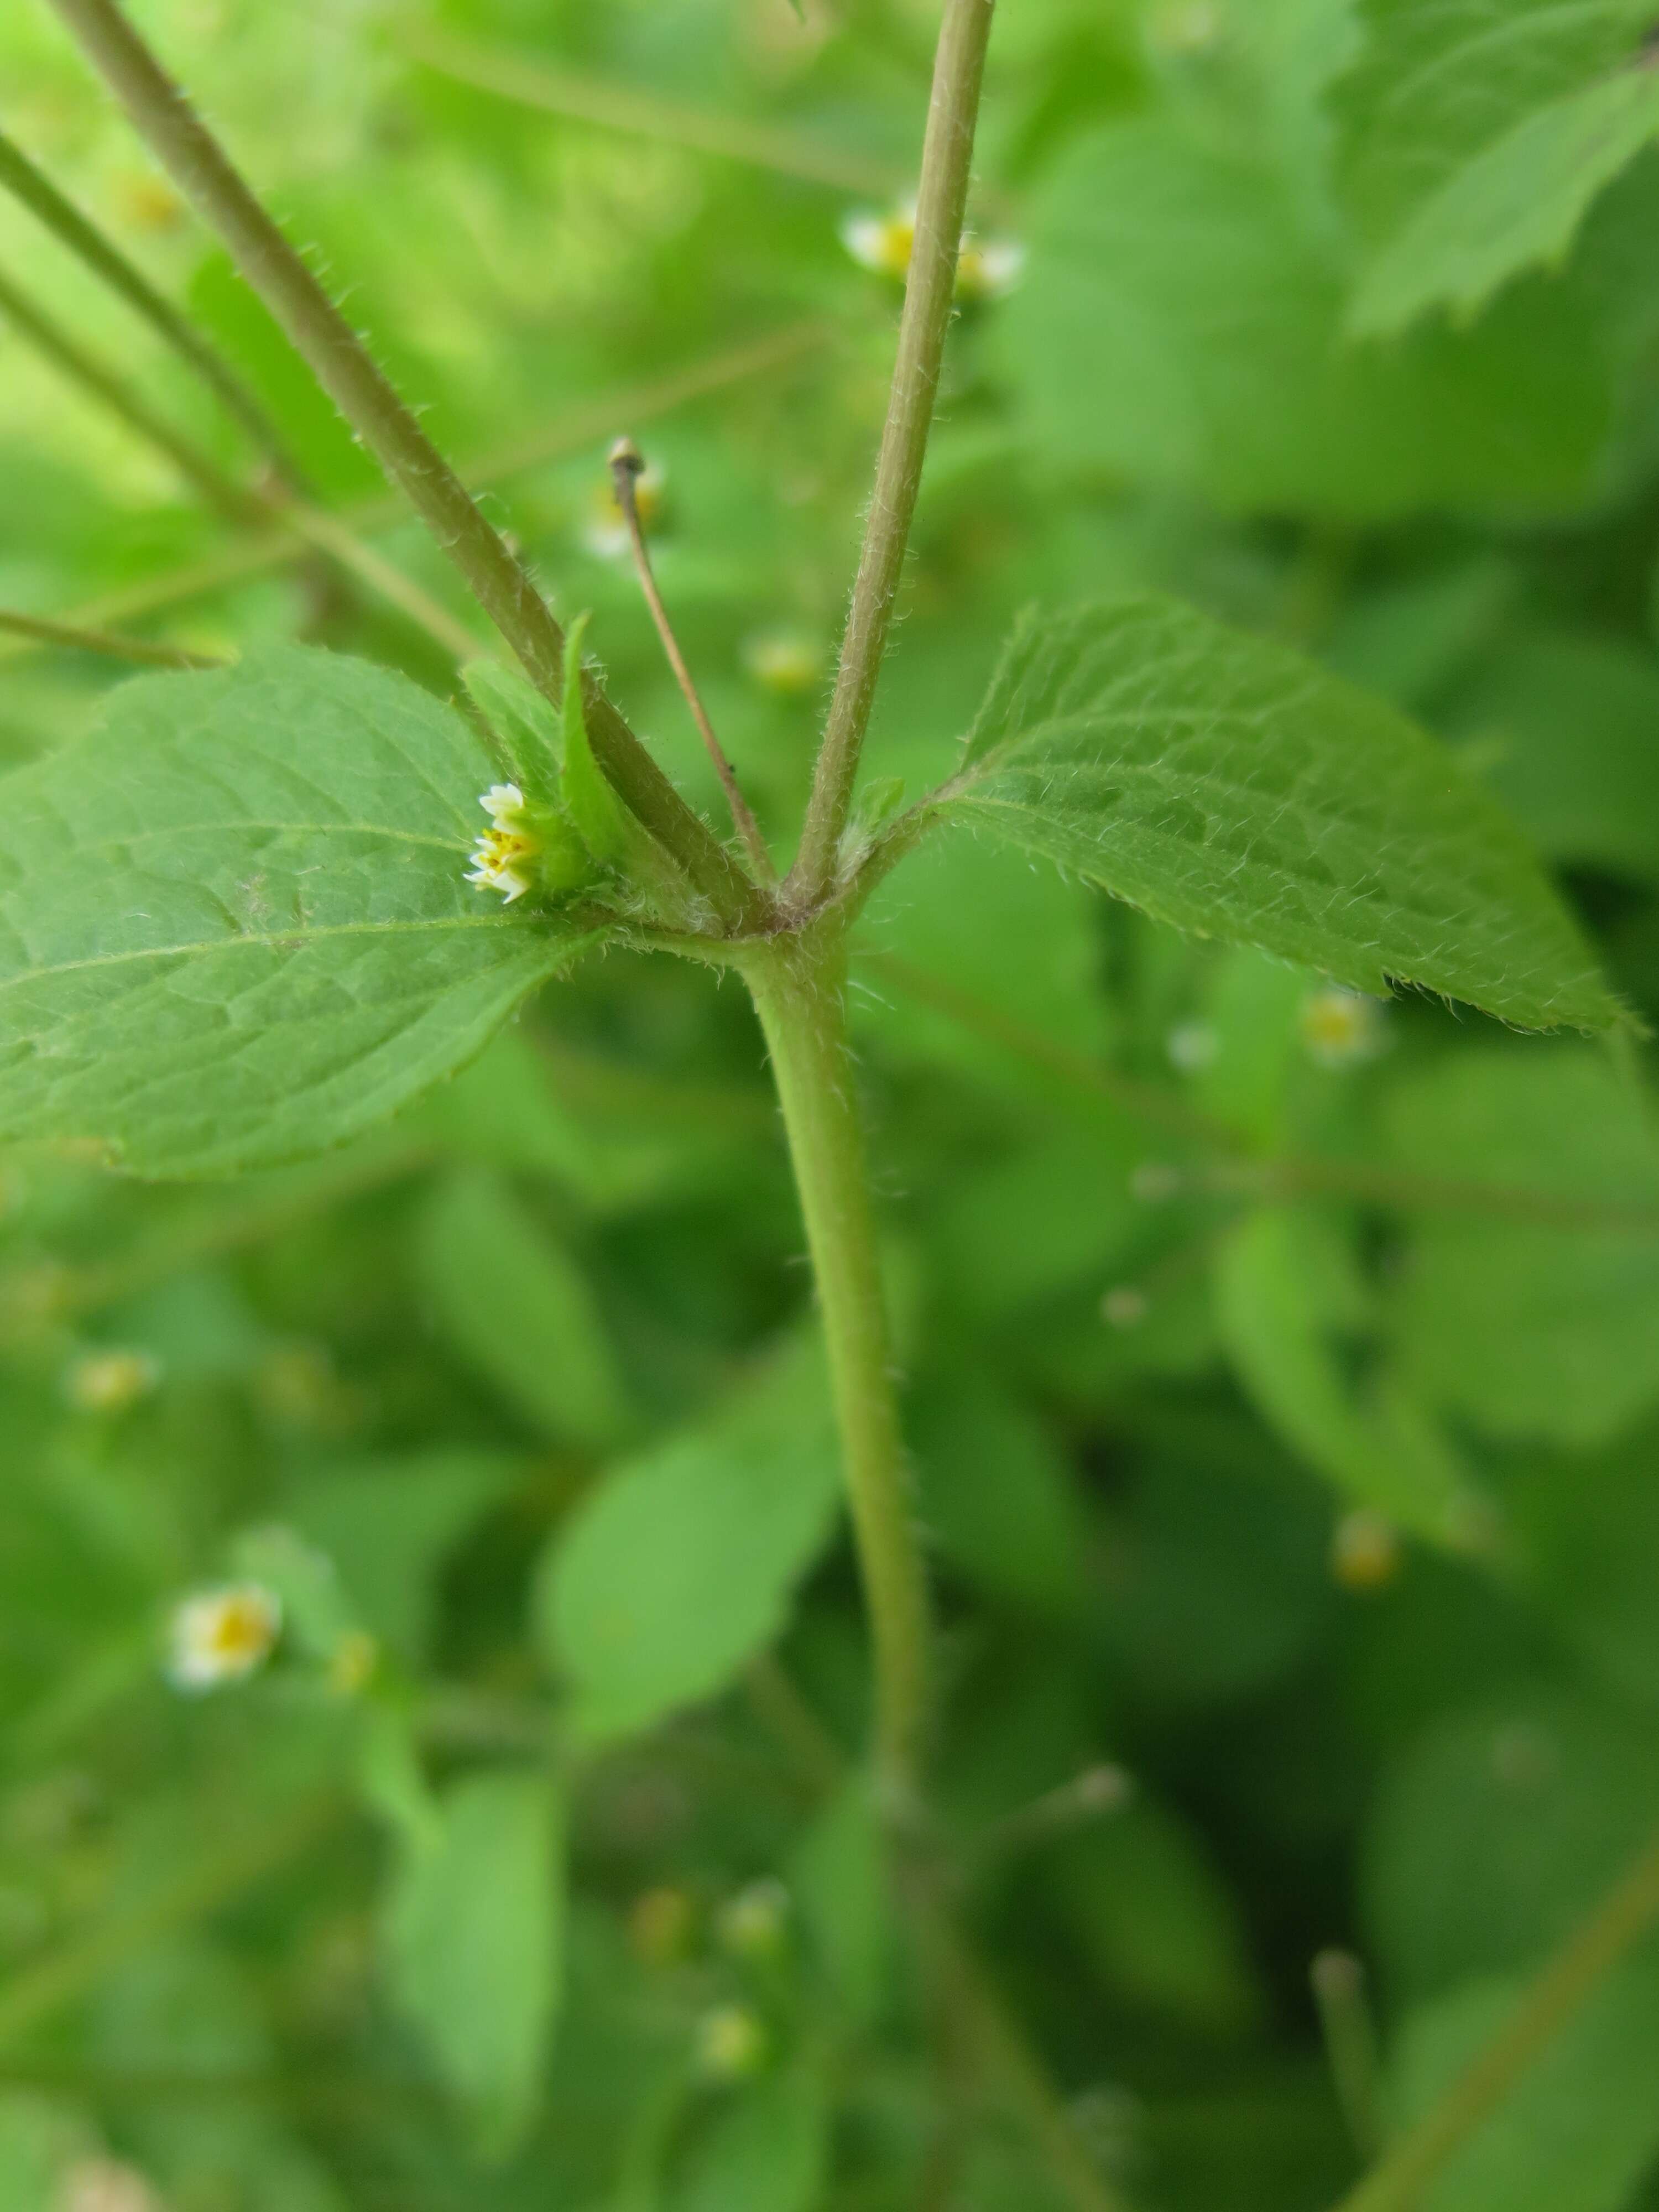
941 205
342 364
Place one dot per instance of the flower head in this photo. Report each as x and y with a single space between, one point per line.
221 1634
731 2044
1366 1553
986 269
786 661
755 1923
504 858
110 1382
1340 1029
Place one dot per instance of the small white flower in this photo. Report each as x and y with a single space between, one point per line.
503 858
753 1924
1341 1029
1192 1046
732 2043
986 269
222 1635
604 533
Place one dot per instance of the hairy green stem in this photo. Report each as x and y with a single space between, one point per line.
37 193
49 338
941 204
498 578
1625 1916
800 988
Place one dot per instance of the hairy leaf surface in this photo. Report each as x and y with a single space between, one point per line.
1231 788
233 923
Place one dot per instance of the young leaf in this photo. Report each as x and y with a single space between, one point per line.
474 1932
1517 203
681 1564
524 723
233 928
1231 789
1281 1334
516 1304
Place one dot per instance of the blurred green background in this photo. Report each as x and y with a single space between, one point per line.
1284 1367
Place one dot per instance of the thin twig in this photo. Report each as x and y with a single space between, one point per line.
343 545
531 83
497 577
107 644
941 205
627 465
27 183
1338 1981
67 354
1626 1915
1094 1795
274 548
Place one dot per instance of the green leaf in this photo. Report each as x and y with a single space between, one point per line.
1280 1319
517 1307
474 1932
1229 787
524 725
680 1566
1439 81
767 2147
1587 1534
1180 324
594 807
1529 1327
1517 203
233 924
1578 2127
838 1877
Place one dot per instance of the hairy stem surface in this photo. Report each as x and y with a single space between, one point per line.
941 204
499 581
800 988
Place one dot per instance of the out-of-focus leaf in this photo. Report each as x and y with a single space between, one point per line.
233 923
515 1301
1281 1329
1231 789
1499 1830
387 1523
1054 1213
1588 1532
1566 722
1518 203
1523 1327
1180 325
681 1564
768 2148
1437 81
838 1877
37 2139
474 1932
1578 2129
999 1493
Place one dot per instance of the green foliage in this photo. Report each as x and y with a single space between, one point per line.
681 1564
474 1934
280 948
1226 787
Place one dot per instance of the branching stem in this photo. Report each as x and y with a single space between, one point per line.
627 465
37 193
341 362
107 643
941 204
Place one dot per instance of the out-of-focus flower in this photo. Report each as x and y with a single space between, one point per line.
351 1664
731 2044
1154 1183
788 662
1192 1046
104 2185
753 1924
110 1382
146 202
1123 1306
1365 1552
504 858
1179 27
1341 1029
222 1635
604 532
986 269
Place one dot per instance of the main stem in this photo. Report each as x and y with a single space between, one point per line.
798 983
342 364
941 204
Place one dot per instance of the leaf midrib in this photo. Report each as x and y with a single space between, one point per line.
268 939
